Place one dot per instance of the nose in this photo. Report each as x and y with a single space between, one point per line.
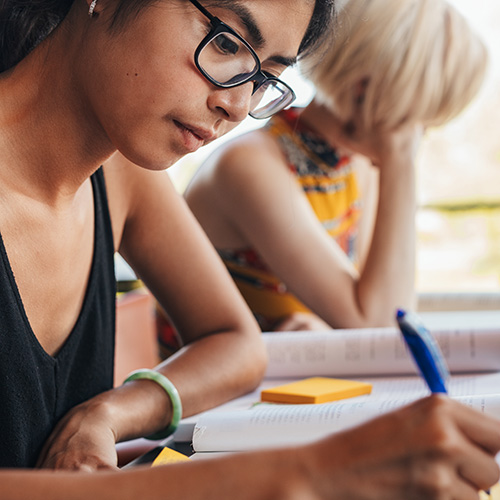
232 103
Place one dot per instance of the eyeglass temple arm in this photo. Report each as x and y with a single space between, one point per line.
203 10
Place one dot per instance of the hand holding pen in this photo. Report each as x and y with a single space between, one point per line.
426 353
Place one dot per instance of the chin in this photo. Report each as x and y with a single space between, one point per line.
153 163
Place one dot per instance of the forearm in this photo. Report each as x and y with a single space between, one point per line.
206 373
386 280
347 298
272 475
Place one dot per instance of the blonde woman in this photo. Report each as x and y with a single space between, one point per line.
313 235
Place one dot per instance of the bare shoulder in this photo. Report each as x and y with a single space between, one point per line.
238 164
130 187
249 151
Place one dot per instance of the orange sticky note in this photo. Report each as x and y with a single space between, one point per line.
168 456
315 390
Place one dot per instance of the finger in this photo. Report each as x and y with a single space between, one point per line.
462 490
289 324
439 479
481 429
53 438
479 468
42 458
86 467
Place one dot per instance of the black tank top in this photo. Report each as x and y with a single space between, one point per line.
37 389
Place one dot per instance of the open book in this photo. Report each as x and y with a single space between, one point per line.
271 425
379 351
378 356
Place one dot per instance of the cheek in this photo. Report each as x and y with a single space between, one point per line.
142 84
147 63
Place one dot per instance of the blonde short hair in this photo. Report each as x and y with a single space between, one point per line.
420 59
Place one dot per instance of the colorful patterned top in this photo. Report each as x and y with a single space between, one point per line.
329 184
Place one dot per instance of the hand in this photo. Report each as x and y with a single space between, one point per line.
379 144
398 146
435 448
301 321
83 440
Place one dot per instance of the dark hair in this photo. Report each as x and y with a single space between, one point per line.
24 24
321 22
319 26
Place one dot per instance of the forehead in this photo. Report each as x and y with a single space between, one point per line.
271 26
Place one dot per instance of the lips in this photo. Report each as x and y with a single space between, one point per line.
194 137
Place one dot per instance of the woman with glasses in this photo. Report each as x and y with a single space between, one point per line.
154 80
316 224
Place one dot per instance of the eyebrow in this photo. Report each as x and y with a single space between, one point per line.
256 39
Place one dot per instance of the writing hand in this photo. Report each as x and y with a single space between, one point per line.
435 448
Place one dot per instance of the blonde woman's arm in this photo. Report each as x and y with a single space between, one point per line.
252 193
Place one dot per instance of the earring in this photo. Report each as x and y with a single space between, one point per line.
92 7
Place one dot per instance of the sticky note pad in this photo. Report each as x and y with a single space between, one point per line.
315 390
168 456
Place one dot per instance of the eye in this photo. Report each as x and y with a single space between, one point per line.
227 44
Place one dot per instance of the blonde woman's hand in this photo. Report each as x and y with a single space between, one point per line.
398 146
298 321
353 136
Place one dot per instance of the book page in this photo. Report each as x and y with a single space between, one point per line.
400 387
184 432
377 351
283 425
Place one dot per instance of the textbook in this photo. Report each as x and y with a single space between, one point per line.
375 351
268 425
377 356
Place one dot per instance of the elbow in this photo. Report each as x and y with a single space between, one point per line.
257 361
374 319
251 364
377 309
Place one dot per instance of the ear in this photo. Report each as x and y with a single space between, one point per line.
93 7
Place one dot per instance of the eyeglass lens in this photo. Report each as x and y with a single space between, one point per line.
228 61
270 98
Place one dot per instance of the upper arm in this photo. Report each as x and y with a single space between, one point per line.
166 247
262 199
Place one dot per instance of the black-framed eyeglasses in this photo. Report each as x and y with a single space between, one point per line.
227 60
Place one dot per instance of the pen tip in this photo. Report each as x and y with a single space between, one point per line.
400 313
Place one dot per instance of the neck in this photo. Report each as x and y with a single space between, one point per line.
50 141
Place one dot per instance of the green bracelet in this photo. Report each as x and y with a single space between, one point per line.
170 389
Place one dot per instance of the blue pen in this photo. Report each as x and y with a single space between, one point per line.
425 352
